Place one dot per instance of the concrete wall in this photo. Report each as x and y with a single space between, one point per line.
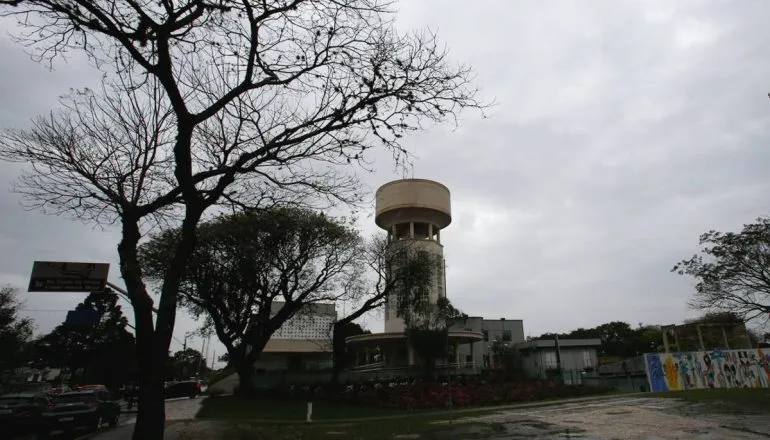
708 369
481 352
394 323
574 360
630 383
293 361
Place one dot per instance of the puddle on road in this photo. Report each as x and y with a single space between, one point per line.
518 430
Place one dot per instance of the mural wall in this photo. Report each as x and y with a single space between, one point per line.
708 369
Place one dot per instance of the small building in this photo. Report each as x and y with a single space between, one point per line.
302 343
481 354
540 358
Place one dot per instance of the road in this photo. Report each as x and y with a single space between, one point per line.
176 409
631 418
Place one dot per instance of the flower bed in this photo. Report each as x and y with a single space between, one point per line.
422 395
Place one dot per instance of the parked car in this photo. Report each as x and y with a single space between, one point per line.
91 387
55 391
187 388
19 412
89 408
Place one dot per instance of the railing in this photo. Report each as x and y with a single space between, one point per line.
457 365
379 366
368 367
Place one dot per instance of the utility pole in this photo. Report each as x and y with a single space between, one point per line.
203 356
558 357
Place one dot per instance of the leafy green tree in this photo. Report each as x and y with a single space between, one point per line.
732 271
342 355
618 338
15 331
427 320
254 100
428 332
188 363
244 263
102 353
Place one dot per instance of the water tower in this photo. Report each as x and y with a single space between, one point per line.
414 212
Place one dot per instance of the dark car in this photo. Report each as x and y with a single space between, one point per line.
56 390
91 387
187 388
19 412
79 409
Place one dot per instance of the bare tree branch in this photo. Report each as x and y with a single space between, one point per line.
260 101
733 271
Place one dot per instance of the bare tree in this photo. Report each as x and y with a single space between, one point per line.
403 275
252 90
732 272
370 288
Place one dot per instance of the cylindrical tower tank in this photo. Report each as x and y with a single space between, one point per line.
413 212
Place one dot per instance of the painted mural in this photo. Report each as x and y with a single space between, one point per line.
708 369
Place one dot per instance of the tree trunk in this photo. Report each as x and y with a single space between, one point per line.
245 372
339 359
151 417
151 413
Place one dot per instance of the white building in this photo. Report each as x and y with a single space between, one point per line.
304 341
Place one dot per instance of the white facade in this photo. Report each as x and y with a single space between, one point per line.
303 327
314 322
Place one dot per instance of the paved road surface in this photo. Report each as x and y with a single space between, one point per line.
176 409
627 418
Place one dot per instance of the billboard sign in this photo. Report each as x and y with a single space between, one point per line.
56 276
84 317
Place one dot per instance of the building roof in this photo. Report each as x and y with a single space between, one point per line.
298 346
563 343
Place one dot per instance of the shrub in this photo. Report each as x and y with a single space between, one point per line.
428 395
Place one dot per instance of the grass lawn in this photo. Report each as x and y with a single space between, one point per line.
747 399
232 415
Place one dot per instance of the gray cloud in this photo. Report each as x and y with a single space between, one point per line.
622 131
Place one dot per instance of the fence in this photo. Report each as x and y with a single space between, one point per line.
363 373
631 366
568 376
629 383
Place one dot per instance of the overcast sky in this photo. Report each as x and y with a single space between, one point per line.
623 130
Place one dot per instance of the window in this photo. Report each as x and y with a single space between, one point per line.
549 359
486 335
587 359
402 231
506 335
315 326
421 231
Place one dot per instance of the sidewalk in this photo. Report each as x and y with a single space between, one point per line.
123 432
